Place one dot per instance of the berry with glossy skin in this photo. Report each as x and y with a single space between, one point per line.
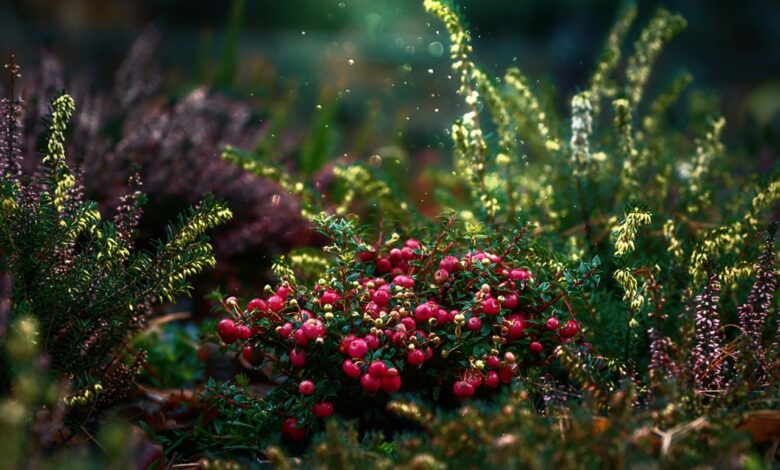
257 305
516 327
449 264
493 362
313 328
396 255
415 357
377 369
380 297
474 323
490 306
409 324
329 297
492 380
463 389
286 330
275 303
423 312
226 329
357 348
372 341
536 347
298 358
520 274
291 432
283 291
370 383
249 353
570 329
441 276
552 324
403 281
306 387
300 337
510 301
323 409
506 374
243 332
474 378
383 265
391 384
412 243
351 369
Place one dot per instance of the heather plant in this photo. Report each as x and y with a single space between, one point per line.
78 277
666 363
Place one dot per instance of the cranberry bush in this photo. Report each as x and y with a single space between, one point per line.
445 318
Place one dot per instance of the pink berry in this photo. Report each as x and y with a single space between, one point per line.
358 348
415 357
380 297
323 409
383 265
351 369
313 328
570 329
521 274
463 389
490 306
423 312
516 328
300 337
391 384
329 297
257 305
372 341
493 362
441 276
377 369
474 323
552 324
403 281
286 330
370 383
510 301
492 380
298 358
243 332
275 303
306 387
536 347
226 329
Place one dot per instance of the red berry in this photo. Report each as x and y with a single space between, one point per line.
552 324
306 387
226 328
381 297
412 243
536 347
357 348
506 374
257 305
243 332
283 291
474 378
351 369
291 432
366 256
372 341
463 389
510 301
569 329
407 253
516 328
323 409
298 358
344 345
442 316
521 274
441 276
492 379
415 357
449 264
249 353
409 324
396 255
329 297
300 337
313 328
474 323
275 303
370 383
391 384
490 306
423 312
403 281
377 369
493 362
383 265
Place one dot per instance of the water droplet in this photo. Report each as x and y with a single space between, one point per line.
342 4
351 61
275 200
375 161
303 33
436 48
430 71
319 106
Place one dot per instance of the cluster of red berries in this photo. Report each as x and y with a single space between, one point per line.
478 313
